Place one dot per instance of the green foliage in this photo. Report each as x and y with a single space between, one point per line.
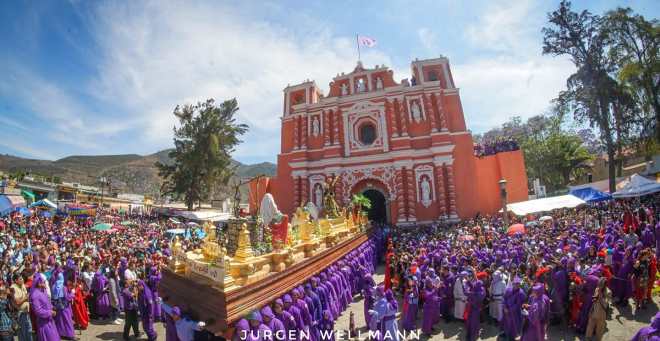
616 78
203 142
361 201
555 155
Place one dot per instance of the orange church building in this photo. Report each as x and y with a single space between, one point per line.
403 144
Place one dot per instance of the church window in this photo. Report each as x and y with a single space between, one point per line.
367 134
433 76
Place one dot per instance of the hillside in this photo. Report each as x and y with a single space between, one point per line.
130 173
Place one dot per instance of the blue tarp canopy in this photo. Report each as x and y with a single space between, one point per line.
589 194
5 206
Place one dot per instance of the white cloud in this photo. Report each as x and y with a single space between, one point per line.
505 26
509 77
159 55
427 37
494 90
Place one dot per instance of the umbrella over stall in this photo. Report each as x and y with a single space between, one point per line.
515 228
101 227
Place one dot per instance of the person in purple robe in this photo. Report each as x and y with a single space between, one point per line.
588 290
43 310
274 324
409 318
446 294
657 240
326 327
100 287
170 328
648 236
322 293
62 300
476 293
430 306
514 298
287 319
650 333
304 312
537 312
383 316
368 294
295 312
146 307
559 293
258 330
241 331
153 281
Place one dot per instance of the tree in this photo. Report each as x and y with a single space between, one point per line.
361 202
206 136
591 89
634 48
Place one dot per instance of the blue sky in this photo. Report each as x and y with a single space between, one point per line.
102 77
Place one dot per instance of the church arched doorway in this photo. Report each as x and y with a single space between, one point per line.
378 210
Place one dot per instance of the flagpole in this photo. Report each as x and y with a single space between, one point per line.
357 42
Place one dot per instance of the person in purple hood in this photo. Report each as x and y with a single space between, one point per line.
146 307
514 298
274 324
538 312
43 310
650 333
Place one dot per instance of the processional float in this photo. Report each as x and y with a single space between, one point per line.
223 281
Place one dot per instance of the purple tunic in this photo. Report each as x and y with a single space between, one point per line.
410 317
103 307
430 310
64 315
146 307
476 295
537 316
43 310
512 319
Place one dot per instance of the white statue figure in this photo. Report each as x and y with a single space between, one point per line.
416 112
379 83
344 89
426 192
268 209
318 195
360 86
316 128
313 211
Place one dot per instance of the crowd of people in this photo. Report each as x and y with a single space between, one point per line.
497 145
57 273
566 270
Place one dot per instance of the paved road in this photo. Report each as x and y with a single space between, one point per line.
621 327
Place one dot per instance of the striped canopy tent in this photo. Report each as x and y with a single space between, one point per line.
9 203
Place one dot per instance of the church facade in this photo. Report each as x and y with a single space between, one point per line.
403 144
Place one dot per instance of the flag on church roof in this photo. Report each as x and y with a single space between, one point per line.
366 41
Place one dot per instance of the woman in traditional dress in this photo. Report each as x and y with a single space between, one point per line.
79 308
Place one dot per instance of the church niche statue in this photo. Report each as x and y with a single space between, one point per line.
318 195
425 186
360 87
416 111
344 89
379 83
316 127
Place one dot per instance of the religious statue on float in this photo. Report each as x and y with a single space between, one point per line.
275 220
329 203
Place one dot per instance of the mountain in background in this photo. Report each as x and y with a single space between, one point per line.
129 173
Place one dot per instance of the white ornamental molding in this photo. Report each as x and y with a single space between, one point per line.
386 175
425 185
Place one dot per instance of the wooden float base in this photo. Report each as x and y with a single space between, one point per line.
219 309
